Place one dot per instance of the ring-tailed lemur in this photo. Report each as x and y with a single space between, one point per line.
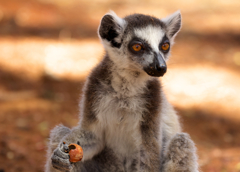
126 123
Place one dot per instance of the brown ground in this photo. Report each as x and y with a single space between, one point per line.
48 47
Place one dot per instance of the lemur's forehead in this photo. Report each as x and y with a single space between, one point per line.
147 28
141 21
151 34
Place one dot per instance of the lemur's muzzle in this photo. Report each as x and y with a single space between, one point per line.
158 67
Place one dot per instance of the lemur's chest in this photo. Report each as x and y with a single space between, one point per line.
121 118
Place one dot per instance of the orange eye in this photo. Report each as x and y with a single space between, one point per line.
137 47
165 46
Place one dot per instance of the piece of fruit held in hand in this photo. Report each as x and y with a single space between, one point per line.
75 152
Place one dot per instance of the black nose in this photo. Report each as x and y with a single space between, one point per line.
160 65
162 69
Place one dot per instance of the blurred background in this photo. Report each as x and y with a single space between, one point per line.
48 47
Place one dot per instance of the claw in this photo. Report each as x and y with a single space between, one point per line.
65 148
60 160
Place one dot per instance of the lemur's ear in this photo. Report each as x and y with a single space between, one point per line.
112 28
173 23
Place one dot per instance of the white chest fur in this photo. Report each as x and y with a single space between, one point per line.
119 118
119 114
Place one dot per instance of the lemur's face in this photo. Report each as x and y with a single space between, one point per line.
149 47
139 42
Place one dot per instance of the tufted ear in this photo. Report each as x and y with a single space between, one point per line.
173 23
111 29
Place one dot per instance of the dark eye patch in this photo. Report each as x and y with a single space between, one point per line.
164 40
145 46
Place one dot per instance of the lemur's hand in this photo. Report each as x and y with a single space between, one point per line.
60 158
181 154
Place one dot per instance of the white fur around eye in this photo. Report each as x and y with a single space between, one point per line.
153 35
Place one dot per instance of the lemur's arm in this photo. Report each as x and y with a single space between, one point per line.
90 143
180 155
88 134
179 152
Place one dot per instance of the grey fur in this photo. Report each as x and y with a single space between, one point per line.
180 155
126 124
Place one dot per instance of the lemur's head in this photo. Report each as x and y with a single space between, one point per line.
139 42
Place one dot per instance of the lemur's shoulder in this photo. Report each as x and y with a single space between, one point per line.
101 72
